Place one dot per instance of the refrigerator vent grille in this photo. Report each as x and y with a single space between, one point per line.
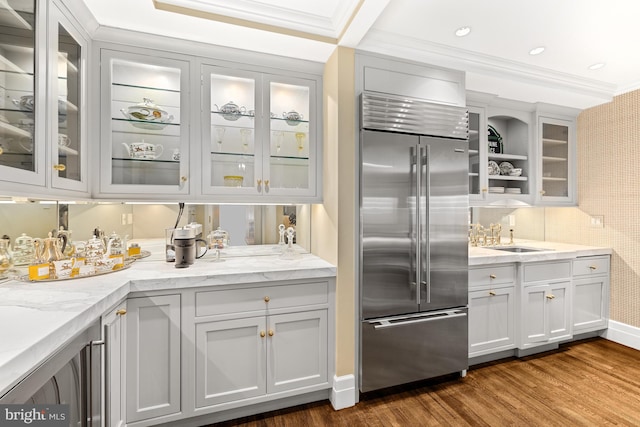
408 115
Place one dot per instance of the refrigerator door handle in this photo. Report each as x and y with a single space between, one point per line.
415 222
425 253
392 322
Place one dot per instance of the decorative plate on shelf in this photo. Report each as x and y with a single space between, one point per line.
494 169
505 168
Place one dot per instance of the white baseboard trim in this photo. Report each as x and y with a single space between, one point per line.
623 334
343 393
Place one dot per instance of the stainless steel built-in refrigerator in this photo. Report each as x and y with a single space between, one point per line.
414 216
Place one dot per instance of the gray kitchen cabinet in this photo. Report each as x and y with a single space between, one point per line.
590 294
556 170
43 108
259 343
152 363
492 305
206 129
144 124
113 325
264 142
545 303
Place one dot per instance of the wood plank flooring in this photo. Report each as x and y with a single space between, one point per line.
593 382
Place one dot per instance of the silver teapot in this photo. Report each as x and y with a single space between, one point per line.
230 108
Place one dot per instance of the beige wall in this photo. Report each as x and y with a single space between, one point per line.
608 185
333 231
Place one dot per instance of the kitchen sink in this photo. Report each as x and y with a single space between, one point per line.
518 249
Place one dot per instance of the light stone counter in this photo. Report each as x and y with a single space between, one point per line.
479 256
38 318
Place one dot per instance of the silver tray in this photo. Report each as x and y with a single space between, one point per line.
127 264
142 254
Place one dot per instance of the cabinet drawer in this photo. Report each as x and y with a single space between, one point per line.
492 275
590 266
226 301
546 271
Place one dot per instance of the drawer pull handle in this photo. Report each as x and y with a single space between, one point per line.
59 167
551 296
492 276
493 294
262 334
593 267
121 312
271 332
267 299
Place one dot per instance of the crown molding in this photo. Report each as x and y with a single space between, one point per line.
262 15
434 53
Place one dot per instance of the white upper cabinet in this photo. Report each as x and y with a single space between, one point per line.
144 128
520 152
43 132
556 161
260 136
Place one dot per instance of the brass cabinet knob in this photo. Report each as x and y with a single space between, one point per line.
121 312
484 189
493 294
266 182
267 299
262 334
271 332
59 167
183 179
1 151
593 267
551 296
492 276
542 192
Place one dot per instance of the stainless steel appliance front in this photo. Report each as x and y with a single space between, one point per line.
414 266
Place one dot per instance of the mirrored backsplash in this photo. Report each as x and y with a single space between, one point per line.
246 224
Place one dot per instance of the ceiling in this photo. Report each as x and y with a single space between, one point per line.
495 55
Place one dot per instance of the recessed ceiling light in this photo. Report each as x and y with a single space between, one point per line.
463 31
596 66
536 50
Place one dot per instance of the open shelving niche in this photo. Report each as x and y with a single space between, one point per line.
515 140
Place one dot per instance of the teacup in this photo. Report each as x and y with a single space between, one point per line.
63 140
144 150
63 268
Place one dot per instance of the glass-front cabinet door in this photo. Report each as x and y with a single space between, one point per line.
231 117
477 156
67 98
556 144
259 135
22 94
145 136
290 161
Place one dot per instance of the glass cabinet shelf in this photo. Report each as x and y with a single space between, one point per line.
496 156
143 87
507 178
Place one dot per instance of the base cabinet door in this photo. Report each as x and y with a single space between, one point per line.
546 313
297 350
153 357
114 355
491 320
230 360
590 307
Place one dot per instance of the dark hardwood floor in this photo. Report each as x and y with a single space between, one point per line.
593 382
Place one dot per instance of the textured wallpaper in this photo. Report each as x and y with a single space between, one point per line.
608 169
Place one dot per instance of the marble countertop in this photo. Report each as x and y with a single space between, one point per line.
38 318
479 256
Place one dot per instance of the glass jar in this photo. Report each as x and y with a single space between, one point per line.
6 258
